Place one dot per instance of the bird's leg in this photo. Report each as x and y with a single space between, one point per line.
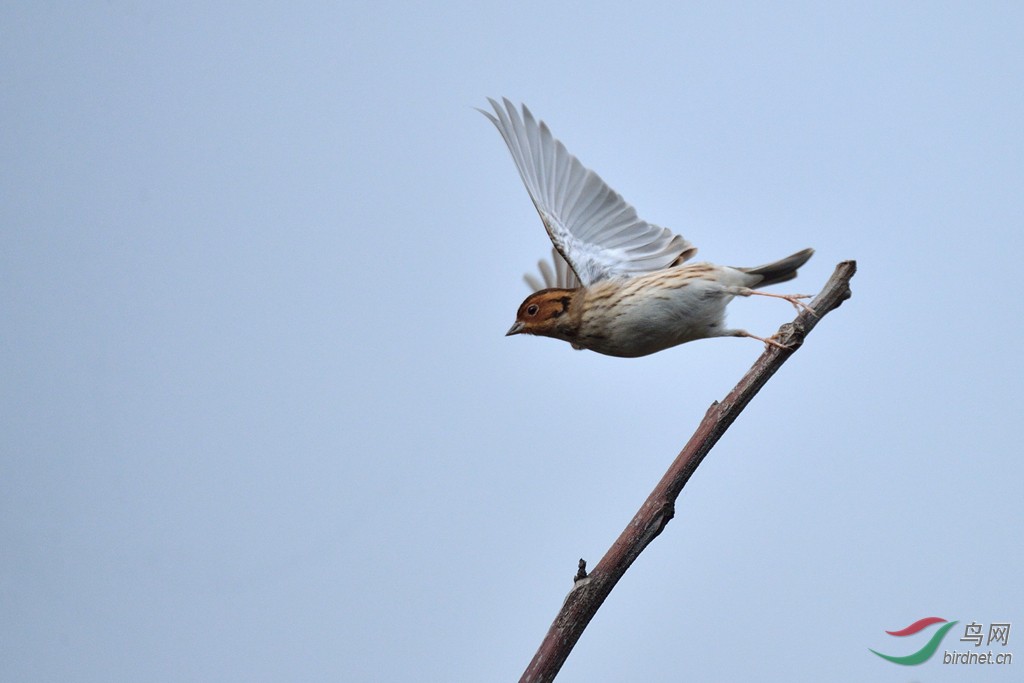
767 342
791 298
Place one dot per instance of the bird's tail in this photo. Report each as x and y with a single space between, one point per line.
781 270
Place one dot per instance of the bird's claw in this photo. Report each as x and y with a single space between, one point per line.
800 306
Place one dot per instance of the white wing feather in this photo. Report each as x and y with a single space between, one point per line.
592 227
555 273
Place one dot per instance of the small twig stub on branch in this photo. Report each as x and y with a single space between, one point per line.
581 572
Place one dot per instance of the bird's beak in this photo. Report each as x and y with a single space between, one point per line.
515 329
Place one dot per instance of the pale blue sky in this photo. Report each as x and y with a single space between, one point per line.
260 421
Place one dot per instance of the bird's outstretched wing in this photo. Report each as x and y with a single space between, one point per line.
593 228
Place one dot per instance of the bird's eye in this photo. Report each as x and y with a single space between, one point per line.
532 309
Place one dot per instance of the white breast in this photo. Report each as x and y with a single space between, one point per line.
652 313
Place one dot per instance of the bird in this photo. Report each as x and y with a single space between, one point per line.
616 284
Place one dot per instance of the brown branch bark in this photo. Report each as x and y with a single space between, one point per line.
589 592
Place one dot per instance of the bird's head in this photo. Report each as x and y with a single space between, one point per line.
546 313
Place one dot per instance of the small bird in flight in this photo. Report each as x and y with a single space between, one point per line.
618 285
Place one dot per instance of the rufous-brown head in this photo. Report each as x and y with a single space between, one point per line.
546 313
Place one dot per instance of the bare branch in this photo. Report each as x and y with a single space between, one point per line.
590 591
